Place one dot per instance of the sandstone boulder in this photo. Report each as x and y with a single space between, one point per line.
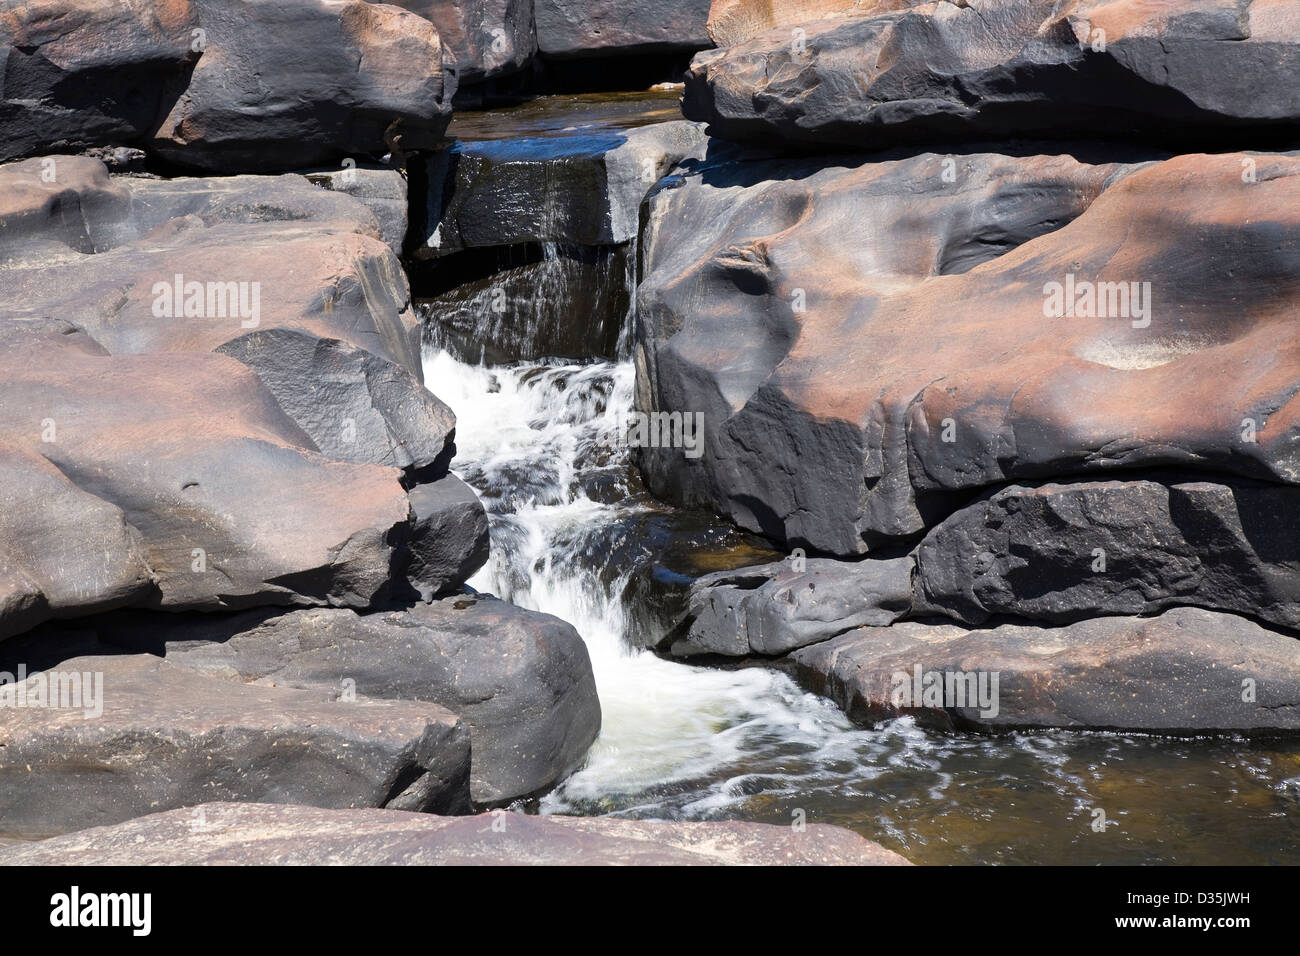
1186 70
290 279
232 503
154 736
735 21
586 28
1188 671
869 345
258 834
483 38
222 85
520 681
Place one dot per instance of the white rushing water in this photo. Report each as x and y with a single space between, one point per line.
684 742
526 437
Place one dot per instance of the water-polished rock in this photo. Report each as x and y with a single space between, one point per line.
159 737
520 681
248 834
222 85
735 21
1068 550
450 539
774 608
380 189
587 28
580 189
354 405
1187 671
232 503
291 279
869 345
483 38
62 550
940 72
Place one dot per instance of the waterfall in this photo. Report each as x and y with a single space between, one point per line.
531 439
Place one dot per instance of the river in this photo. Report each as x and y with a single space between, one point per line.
575 535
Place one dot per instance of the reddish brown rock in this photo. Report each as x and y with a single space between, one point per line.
924 362
1190 71
261 834
735 21
291 279
585 28
232 504
221 85
483 38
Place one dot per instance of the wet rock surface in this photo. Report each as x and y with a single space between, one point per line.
579 189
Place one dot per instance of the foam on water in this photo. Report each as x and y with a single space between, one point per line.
686 742
663 722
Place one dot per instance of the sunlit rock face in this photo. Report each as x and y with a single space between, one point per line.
587 28
222 85
871 344
932 72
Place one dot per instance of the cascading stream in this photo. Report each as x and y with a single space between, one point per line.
573 535
537 441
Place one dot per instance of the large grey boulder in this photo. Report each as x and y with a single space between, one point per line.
1069 550
774 608
258 835
520 681
222 85
996 69
1187 671
160 737
354 405
450 538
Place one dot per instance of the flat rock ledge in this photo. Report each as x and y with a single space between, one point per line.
253 834
1186 672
